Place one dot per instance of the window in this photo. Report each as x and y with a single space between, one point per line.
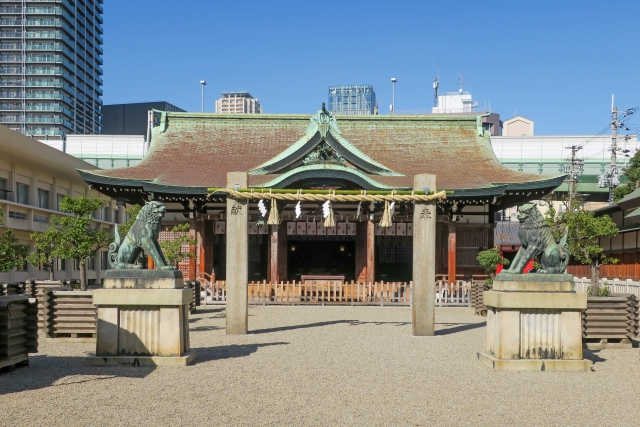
104 260
76 265
17 215
22 193
116 216
91 263
3 189
105 214
23 267
43 198
59 198
62 264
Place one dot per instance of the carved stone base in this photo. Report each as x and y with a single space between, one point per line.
534 364
534 323
142 326
183 360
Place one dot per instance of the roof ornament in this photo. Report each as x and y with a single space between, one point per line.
324 154
324 122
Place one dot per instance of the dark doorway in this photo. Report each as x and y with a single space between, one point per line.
394 258
321 257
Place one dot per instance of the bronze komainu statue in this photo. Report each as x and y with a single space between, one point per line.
143 235
538 242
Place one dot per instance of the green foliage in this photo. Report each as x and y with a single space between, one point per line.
78 239
489 260
172 249
124 228
632 173
622 190
44 249
599 292
585 230
12 252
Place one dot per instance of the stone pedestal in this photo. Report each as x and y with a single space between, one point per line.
143 319
534 323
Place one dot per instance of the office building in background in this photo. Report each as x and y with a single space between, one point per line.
238 103
50 74
352 99
131 119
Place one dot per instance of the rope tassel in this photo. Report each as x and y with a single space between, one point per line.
327 209
274 216
385 221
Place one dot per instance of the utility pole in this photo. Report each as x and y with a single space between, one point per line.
574 172
614 149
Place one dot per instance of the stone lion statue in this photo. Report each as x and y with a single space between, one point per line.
143 235
538 242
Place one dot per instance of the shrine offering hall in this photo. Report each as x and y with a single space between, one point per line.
279 171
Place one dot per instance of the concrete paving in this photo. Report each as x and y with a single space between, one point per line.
321 366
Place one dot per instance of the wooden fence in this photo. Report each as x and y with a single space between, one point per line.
298 293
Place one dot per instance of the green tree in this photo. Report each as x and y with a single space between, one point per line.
585 231
78 239
45 245
173 249
489 260
12 252
132 212
632 173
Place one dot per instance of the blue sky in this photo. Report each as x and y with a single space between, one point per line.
556 62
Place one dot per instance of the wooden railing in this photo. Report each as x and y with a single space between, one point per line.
298 293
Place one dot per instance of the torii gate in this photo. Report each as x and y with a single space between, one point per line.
424 250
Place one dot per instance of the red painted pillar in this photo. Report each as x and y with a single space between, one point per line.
452 251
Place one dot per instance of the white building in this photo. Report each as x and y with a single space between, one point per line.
517 126
33 180
238 103
454 102
103 151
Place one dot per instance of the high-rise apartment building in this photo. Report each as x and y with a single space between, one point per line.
50 58
352 99
238 103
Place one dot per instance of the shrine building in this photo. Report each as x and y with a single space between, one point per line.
191 155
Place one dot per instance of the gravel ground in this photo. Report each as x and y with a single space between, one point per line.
322 366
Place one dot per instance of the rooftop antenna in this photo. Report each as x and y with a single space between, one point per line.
460 81
436 85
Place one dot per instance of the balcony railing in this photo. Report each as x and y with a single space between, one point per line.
11 58
10 119
11 70
49 95
50 47
53 120
11 34
10 107
5 9
10 82
11 46
10 21
10 94
49 107
49 83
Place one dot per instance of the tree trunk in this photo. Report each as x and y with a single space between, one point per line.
83 280
595 278
51 272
